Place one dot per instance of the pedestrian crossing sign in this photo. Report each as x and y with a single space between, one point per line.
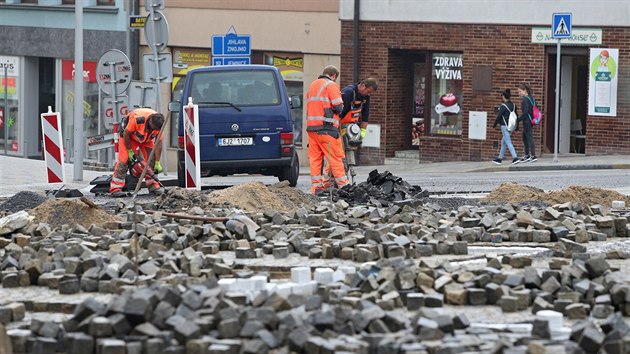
561 25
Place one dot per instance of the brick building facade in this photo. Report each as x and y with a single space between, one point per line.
405 57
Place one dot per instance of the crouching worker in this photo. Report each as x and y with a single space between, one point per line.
139 130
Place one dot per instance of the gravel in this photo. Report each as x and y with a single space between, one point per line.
23 200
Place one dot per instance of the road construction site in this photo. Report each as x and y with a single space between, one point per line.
384 266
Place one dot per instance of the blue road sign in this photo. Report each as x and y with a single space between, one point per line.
231 44
561 25
216 61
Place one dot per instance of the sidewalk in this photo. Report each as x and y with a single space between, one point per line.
18 174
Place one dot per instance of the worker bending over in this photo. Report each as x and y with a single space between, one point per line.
139 131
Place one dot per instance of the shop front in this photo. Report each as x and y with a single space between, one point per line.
438 79
414 49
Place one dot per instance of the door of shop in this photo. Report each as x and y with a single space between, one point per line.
573 101
418 105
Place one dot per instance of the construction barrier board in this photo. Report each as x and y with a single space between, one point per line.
53 147
192 167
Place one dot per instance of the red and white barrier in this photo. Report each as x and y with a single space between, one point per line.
53 146
192 167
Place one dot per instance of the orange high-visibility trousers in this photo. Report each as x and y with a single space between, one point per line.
120 170
320 146
328 182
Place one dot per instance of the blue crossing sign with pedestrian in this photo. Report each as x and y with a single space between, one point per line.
561 25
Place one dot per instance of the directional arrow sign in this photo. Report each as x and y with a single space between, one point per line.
231 44
216 61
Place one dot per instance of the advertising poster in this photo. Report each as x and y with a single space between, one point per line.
446 93
602 82
9 65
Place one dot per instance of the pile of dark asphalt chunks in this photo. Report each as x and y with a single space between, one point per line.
399 280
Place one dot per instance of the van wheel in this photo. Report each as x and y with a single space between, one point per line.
291 173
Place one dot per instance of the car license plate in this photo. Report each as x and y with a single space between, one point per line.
236 141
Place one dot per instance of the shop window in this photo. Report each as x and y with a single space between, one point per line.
446 93
91 2
9 122
92 124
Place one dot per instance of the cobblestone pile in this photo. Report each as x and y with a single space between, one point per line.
176 292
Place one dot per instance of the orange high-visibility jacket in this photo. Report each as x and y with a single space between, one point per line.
323 104
355 110
136 123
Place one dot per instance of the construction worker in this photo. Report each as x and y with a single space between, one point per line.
356 103
323 106
139 130
356 108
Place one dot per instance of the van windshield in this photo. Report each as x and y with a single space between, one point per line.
236 88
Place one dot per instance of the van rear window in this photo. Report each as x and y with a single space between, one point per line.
240 88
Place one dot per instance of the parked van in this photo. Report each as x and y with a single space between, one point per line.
245 123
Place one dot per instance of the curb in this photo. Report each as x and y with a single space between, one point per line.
555 168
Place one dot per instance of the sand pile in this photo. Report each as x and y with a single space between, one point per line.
251 196
57 212
516 193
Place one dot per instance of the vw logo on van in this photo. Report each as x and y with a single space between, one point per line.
234 127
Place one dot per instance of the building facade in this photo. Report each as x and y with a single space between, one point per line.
442 70
298 37
37 46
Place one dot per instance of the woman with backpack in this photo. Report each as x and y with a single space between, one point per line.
527 105
506 119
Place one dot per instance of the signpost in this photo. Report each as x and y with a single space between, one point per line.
137 22
231 48
561 24
230 61
142 94
156 34
113 75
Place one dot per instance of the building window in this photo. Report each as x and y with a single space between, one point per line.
9 122
92 125
446 93
98 2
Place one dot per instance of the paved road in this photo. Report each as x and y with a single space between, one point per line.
611 172
618 180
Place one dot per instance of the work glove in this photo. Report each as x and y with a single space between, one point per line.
131 155
157 167
363 132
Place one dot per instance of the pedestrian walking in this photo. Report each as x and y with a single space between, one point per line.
503 120
139 131
527 113
323 106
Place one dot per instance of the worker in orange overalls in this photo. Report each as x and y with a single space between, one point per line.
140 128
323 106
356 109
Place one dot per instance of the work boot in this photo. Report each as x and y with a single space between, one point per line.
157 191
118 194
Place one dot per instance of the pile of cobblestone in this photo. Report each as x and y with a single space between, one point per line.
392 305
177 293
